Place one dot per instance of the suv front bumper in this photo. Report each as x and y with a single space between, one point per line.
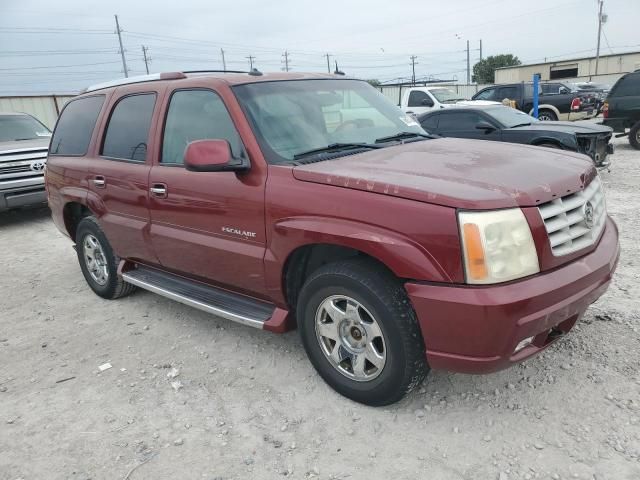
478 329
22 192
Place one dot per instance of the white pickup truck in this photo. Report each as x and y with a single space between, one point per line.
418 100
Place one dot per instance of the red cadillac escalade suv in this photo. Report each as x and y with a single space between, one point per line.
311 201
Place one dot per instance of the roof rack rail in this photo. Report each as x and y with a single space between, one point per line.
137 79
214 71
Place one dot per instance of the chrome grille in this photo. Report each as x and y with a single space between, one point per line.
566 219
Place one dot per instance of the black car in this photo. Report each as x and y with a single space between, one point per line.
505 124
621 110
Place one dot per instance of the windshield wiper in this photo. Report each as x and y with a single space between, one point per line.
23 139
522 125
402 136
335 147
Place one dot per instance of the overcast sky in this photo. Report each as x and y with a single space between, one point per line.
65 45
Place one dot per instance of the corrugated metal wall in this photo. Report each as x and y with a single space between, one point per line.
44 107
394 93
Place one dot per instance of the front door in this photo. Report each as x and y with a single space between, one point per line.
120 173
206 225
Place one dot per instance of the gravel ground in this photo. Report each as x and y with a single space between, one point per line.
191 396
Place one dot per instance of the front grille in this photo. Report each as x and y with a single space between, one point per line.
566 219
14 168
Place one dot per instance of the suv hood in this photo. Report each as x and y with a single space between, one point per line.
581 127
471 174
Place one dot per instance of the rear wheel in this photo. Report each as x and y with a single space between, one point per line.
634 136
98 263
547 115
360 332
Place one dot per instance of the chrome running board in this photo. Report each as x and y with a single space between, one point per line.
224 304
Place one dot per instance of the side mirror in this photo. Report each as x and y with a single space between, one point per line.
211 156
427 102
486 126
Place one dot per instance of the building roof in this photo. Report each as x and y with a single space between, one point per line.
570 60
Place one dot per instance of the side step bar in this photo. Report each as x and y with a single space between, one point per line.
216 301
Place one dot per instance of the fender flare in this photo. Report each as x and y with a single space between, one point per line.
546 106
404 257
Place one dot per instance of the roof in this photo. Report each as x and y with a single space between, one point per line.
569 60
232 78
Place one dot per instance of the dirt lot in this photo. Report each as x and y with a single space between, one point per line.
249 404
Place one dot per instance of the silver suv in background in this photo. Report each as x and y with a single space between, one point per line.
24 142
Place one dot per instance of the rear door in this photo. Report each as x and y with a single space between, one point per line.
462 124
206 225
119 182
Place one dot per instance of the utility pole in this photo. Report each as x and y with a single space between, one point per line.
468 65
480 49
599 32
328 62
413 69
224 62
285 55
251 59
124 61
146 59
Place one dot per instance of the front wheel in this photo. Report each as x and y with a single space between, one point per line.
634 136
361 333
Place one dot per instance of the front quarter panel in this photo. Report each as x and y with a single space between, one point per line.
414 240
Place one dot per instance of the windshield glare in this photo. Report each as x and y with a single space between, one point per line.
294 116
21 127
444 95
510 117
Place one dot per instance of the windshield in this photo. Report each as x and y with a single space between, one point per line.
21 127
444 95
510 117
296 116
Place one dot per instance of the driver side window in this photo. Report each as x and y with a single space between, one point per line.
487 94
416 98
196 115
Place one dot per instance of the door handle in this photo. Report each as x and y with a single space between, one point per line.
99 181
159 190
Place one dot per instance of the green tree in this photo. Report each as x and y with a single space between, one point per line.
485 70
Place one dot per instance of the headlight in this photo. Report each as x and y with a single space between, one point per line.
497 246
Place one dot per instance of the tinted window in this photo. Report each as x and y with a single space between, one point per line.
196 115
416 97
507 92
128 128
627 86
429 122
487 94
550 88
459 121
75 126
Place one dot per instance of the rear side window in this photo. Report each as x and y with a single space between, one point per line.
75 126
128 128
459 121
196 115
487 94
627 86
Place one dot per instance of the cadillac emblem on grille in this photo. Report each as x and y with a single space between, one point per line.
587 212
37 166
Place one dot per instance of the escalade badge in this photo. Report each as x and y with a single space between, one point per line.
37 166
587 212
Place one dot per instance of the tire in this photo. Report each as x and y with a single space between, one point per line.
361 295
634 136
98 263
547 115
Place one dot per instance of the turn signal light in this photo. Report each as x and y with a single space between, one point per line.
475 252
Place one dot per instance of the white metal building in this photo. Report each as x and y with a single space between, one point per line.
610 68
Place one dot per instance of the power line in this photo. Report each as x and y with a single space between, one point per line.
60 66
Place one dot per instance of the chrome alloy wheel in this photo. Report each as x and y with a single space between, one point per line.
350 338
95 260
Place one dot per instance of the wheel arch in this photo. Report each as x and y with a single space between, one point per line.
547 106
72 213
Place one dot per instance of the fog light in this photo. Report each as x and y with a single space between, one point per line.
524 343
